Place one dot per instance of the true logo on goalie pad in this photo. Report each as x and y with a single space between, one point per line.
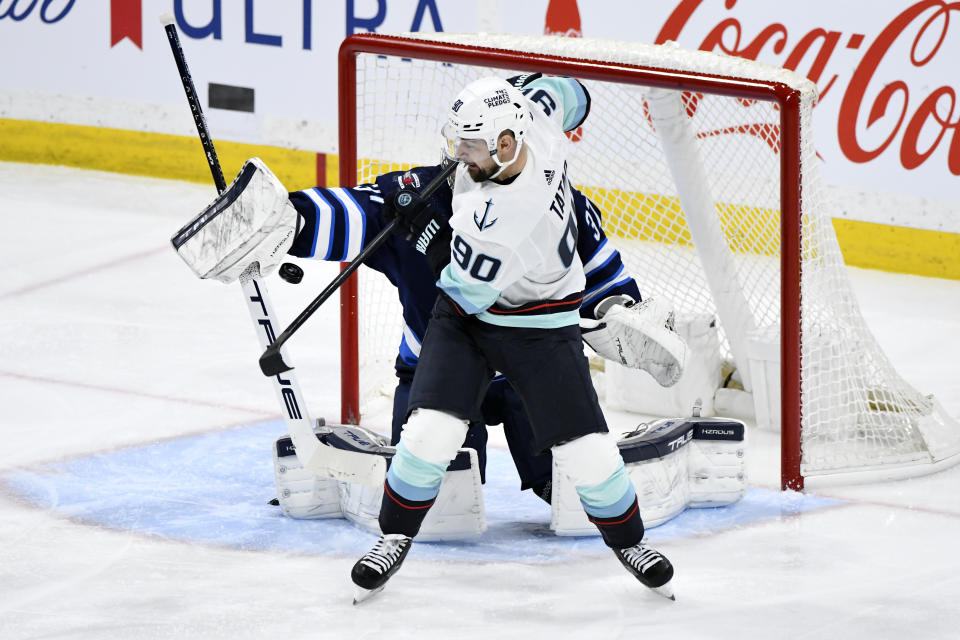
655 441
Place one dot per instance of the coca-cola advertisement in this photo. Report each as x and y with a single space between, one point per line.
888 107
887 119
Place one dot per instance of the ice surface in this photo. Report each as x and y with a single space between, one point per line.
135 470
214 488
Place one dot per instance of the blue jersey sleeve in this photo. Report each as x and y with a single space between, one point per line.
337 223
602 264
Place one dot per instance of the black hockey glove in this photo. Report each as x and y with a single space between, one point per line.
428 231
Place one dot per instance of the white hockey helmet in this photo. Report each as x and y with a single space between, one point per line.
482 111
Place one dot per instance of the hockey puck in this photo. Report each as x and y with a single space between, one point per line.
291 273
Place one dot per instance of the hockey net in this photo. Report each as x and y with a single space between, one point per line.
705 172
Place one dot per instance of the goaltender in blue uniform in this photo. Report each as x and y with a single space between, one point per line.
338 223
511 286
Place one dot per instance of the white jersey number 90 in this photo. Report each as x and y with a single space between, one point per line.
484 268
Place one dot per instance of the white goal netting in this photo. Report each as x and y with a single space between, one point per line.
689 186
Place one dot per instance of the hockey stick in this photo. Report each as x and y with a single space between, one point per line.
271 362
315 456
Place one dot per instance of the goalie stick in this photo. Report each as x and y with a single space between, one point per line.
313 455
271 362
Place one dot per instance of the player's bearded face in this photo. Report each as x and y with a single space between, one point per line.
483 169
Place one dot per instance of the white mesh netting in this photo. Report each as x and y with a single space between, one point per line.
682 180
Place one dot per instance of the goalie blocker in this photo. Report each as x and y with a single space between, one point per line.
673 463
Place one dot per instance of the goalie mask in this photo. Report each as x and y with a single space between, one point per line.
479 114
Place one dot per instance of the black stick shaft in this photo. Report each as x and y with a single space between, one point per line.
271 362
198 118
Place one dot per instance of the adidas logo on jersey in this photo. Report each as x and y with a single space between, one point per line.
424 240
548 174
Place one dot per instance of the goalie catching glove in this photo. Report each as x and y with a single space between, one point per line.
637 335
251 221
421 225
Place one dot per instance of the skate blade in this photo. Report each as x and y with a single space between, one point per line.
665 590
360 594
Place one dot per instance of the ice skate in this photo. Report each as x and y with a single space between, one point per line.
649 566
372 571
360 594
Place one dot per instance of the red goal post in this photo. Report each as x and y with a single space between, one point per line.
696 74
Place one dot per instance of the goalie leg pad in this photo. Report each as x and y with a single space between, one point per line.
457 513
594 467
302 494
428 444
673 464
251 221
717 455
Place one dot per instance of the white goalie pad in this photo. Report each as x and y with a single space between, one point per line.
674 463
638 336
458 512
251 221
302 494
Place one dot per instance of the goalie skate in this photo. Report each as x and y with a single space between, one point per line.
649 566
372 571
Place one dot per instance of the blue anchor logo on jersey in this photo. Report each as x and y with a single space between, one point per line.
482 222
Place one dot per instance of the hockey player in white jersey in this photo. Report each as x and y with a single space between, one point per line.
511 285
